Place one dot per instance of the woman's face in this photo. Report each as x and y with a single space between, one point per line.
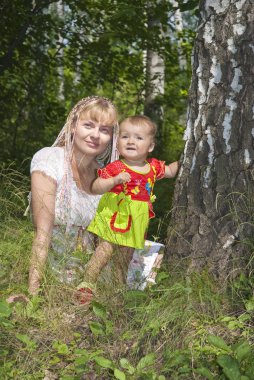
92 137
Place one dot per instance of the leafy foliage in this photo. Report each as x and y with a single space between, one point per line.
186 326
54 54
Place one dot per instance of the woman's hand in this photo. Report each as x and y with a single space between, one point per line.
17 298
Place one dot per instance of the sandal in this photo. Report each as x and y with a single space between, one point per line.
84 294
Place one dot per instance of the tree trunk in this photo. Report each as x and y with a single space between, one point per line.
58 8
155 80
179 30
212 212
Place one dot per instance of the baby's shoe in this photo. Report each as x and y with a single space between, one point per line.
84 294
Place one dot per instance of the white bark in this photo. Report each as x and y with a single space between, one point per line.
218 155
155 70
155 82
179 29
58 8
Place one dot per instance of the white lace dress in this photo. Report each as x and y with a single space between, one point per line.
65 256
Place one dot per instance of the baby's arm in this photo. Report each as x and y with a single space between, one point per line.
102 185
171 170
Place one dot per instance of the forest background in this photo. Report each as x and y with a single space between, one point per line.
139 54
55 53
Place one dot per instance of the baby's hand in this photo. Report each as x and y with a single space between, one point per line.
122 177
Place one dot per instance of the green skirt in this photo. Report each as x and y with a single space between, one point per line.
121 220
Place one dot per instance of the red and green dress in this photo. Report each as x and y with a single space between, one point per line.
123 213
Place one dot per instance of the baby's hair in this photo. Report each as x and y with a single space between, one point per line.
141 120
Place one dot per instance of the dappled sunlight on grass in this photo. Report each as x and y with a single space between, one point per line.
187 326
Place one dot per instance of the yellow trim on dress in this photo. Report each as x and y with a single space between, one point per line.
136 171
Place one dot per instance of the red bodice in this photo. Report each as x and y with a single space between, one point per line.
140 187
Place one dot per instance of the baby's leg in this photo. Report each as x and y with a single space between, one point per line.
121 260
98 261
156 265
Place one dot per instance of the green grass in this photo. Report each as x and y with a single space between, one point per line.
187 326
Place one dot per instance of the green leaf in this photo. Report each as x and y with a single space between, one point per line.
30 344
32 307
5 309
83 357
61 348
5 322
205 372
3 353
250 305
185 369
119 374
178 359
103 362
54 360
146 361
242 350
99 310
230 367
126 365
161 276
95 353
250 367
109 326
218 342
135 295
96 328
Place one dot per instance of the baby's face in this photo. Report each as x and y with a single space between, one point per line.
135 142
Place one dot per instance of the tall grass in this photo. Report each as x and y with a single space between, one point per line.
185 327
15 230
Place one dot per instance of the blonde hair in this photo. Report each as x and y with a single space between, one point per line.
97 108
94 107
141 121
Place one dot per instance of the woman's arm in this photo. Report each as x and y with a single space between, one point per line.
102 185
43 190
171 170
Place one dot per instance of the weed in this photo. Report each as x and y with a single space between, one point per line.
184 327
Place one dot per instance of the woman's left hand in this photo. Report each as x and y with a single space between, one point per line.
17 298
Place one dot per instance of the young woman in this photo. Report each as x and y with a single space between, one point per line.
61 176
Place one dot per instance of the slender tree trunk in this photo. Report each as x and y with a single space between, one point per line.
58 8
155 80
179 29
210 214
154 87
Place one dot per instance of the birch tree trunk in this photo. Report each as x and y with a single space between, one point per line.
179 29
155 80
58 8
212 205
155 73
